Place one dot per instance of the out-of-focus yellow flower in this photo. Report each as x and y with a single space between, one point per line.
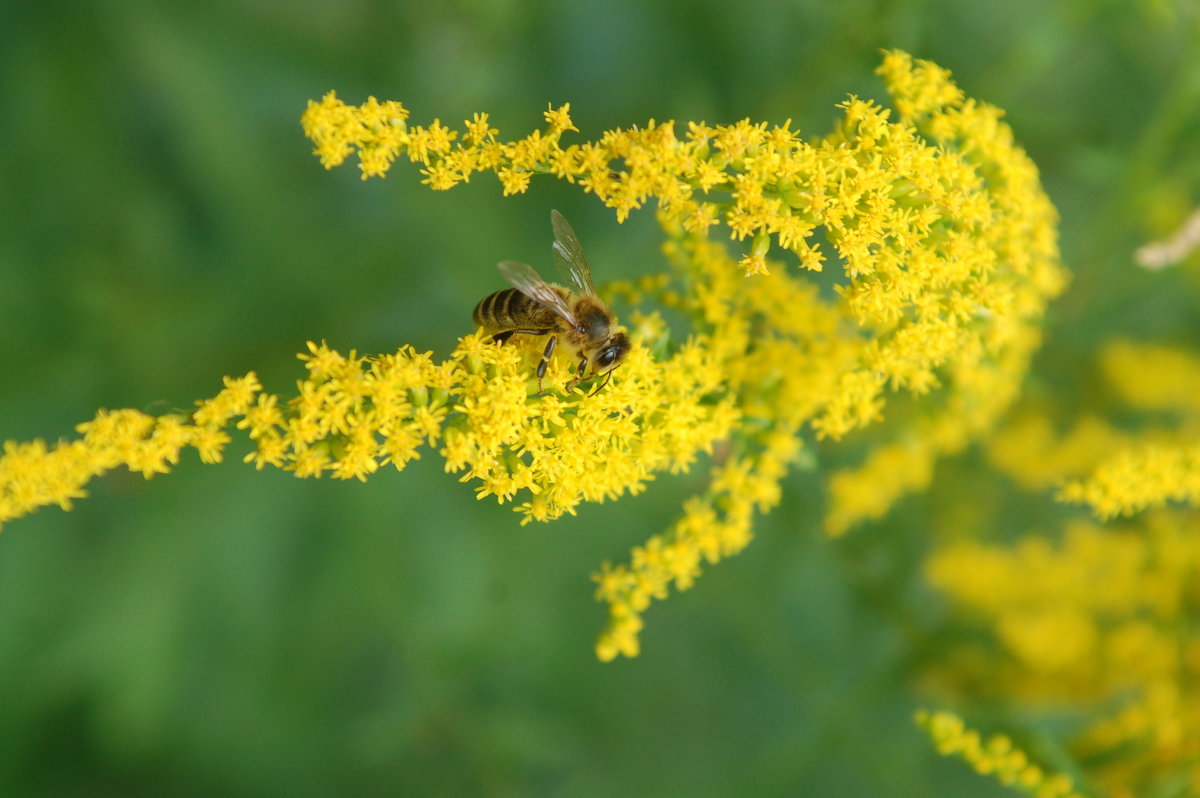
1100 618
1103 619
1133 479
995 757
1123 474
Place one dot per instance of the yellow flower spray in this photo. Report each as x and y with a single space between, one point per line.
935 219
1096 618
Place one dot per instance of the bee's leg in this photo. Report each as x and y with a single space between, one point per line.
541 369
580 370
504 335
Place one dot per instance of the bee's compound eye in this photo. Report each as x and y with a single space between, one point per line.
608 357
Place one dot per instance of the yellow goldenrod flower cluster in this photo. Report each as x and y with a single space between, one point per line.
937 219
564 448
352 414
1117 471
34 475
996 756
1134 479
1160 466
945 253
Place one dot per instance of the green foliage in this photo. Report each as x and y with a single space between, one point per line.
228 631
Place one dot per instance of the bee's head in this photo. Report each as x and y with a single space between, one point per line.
611 352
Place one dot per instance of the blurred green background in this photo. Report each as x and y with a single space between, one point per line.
242 633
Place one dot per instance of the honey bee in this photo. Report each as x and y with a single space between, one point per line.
577 315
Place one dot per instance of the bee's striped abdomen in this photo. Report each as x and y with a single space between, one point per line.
509 309
496 311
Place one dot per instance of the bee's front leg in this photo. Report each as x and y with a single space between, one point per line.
580 370
541 369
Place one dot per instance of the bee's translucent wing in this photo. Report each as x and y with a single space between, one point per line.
523 278
569 257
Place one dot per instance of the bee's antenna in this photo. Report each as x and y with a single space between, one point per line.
607 377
